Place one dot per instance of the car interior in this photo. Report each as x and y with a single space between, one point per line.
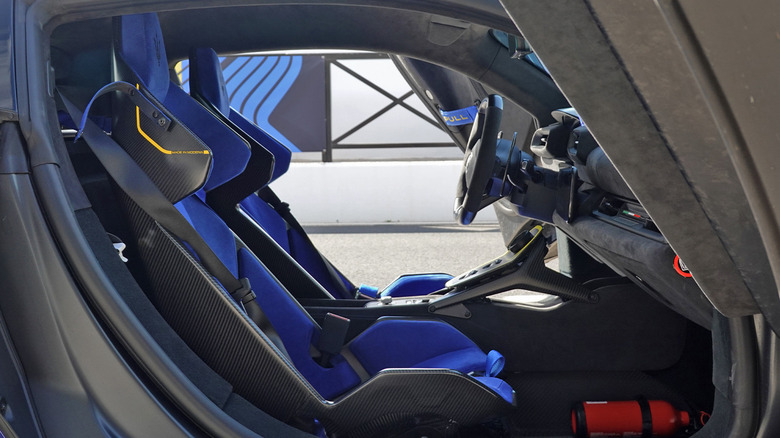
172 191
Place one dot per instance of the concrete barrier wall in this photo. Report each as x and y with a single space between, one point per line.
373 192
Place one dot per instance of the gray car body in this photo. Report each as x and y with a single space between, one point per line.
680 95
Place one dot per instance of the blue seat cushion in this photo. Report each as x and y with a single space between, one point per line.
415 284
268 219
310 259
405 343
294 244
297 330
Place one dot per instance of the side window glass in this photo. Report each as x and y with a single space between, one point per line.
333 106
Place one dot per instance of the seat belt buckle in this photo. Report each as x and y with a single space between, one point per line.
243 294
332 336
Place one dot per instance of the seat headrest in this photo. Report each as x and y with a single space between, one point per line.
207 80
138 41
208 83
141 59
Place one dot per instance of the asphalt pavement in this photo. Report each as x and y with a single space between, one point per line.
376 254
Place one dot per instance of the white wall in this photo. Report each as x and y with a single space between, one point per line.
373 192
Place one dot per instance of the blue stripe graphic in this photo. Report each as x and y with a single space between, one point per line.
256 85
231 69
243 75
265 109
248 95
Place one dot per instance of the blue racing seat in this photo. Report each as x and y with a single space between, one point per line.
423 359
207 84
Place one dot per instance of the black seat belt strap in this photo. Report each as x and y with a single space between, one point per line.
332 336
268 195
142 190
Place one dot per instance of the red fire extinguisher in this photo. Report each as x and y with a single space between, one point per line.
636 418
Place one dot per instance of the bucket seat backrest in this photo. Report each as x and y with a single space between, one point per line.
229 155
207 84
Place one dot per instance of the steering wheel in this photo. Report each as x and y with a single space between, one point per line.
478 160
